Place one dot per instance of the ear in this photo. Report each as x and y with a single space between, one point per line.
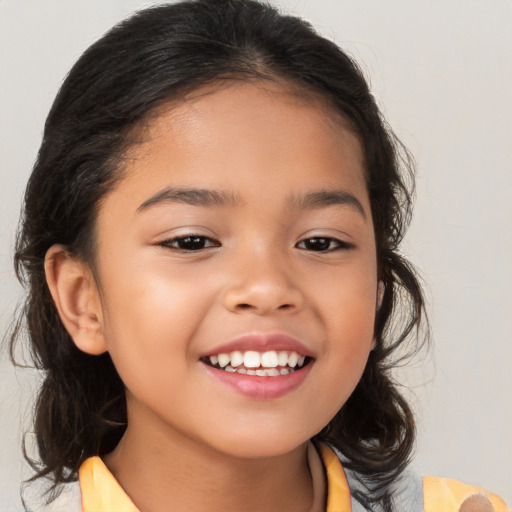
77 299
380 296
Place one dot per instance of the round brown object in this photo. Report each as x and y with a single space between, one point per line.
477 503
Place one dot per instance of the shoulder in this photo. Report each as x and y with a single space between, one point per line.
67 497
445 494
433 494
416 493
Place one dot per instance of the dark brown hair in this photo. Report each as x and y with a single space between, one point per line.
157 55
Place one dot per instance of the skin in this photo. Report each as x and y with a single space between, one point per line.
157 308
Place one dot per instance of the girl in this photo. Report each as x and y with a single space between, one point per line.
210 242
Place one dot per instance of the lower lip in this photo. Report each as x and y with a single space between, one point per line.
261 388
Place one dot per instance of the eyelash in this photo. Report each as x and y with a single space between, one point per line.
338 244
173 243
205 242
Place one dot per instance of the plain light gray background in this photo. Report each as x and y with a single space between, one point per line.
442 72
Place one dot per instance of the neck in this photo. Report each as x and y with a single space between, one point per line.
158 468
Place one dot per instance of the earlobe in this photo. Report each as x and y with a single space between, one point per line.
76 298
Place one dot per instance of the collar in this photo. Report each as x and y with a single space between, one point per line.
101 491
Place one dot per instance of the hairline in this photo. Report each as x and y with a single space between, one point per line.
136 134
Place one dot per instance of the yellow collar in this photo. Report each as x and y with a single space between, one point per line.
101 491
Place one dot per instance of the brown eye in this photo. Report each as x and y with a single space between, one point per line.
190 243
322 244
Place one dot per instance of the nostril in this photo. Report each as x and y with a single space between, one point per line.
250 306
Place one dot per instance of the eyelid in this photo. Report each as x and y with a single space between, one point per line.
169 243
340 243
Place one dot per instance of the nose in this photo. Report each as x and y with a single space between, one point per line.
263 285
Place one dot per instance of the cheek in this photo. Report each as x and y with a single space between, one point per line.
347 309
347 298
145 315
152 316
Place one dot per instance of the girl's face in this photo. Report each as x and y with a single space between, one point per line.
241 233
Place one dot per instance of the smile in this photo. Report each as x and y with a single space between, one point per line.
272 363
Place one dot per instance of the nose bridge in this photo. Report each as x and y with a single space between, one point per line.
262 280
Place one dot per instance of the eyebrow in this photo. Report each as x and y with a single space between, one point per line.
192 196
322 198
223 198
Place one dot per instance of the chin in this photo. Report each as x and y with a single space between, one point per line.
261 443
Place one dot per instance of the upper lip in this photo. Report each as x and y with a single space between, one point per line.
261 342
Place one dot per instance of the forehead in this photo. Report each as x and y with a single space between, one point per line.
226 134
249 92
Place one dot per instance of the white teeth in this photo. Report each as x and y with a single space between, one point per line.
252 359
237 358
282 358
269 359
271 363
293 359
223 360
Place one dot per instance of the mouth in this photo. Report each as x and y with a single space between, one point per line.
260 366
271 363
